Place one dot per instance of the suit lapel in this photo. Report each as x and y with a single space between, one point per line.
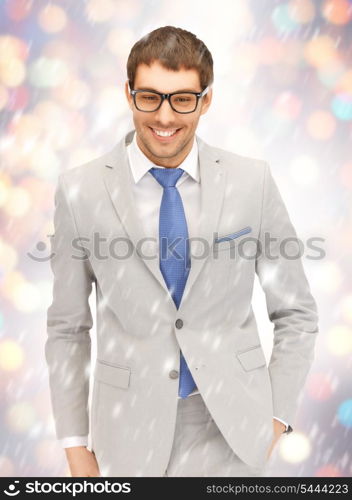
118 182
212 181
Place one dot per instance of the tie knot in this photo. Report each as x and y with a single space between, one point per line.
167 177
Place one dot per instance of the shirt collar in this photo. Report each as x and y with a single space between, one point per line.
140 164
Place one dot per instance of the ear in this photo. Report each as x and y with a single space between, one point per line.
128 95
206 101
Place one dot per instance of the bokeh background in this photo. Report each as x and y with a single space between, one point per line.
282 93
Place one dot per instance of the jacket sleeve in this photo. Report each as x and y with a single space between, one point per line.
290 305
69 320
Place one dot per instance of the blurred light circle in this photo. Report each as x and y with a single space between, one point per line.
319 387
242 139
286 75
48 111
26 128
328 470
62 49
76 127
11 355
5 187
37 429
8 257
346 303
52 18
240 19
18 202
301 11
294 448
339 340
20 417
288 105
110 104
304 170
270 50
344 413
10 282
344 83
293 51
40 404
100 11
246 61
321 125
282 19
341 106
112 100
337 11
44 162
101 67
46 454
4 97
63 139
7 467
17 10
73 93
331 74
275 122
13 154
45 72
18 99
321 51
329 278
57 130
45 289
81 155
119 41
26 297
12 71
12 47
78 124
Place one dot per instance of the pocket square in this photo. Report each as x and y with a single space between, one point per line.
232 236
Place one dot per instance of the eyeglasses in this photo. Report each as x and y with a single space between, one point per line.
181 102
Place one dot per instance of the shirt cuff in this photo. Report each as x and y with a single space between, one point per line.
286 424
69 442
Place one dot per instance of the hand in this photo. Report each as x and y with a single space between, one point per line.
279 428
82 462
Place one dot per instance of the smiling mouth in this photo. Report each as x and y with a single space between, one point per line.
164 135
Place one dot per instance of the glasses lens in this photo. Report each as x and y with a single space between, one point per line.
184 102
147 101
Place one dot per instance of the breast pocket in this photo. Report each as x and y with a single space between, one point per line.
229 240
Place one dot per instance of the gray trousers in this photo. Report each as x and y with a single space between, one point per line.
199 449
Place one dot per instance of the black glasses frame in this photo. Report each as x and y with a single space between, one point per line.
168 97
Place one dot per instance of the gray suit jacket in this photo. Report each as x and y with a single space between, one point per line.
135 389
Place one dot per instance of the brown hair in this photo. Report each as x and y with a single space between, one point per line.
173 48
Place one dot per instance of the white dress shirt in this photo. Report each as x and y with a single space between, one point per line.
147 193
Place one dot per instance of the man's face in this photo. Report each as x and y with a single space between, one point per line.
170 152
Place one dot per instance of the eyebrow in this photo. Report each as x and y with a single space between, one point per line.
154 90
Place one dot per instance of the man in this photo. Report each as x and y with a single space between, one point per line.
159 224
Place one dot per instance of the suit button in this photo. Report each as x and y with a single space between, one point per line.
179 323
173 374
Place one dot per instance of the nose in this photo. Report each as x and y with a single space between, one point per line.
165 114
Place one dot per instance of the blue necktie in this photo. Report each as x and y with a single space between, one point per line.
174 255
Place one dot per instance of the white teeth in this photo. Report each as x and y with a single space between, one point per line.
164 134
